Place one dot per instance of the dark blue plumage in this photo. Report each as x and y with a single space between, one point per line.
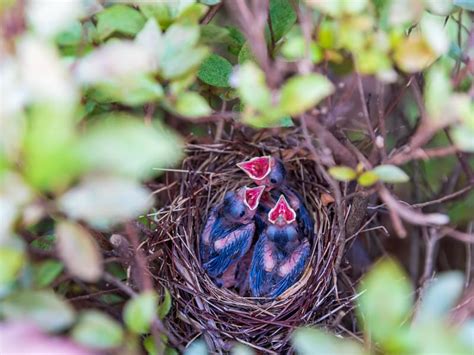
280 253
229 231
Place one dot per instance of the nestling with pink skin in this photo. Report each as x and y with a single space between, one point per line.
280 254
229 231
270 171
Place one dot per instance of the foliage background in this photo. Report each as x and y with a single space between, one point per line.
98 97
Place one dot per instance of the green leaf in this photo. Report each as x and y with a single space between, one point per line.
197 347
72 36
245 54
165 306
11 262
440 297
44 308
121 19
139 312
115 139
385 290
464 138
45 243
465 4
301 93
309 341
179 53
367 178
342 173
54 165
241 349
79 251
191 104
132 91
390 174
47 271
210 2
103 201
215 71
437 92
97 330
253 90
282 18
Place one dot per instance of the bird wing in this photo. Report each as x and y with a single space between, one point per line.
206 236
229 249
291 268
263 263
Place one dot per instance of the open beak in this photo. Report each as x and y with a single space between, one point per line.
253 195
256 168
282 209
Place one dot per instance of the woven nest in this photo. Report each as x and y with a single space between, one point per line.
220 315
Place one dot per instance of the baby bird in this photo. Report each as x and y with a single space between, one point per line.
229 231
280 254
271 172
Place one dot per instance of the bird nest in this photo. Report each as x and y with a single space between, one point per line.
222 316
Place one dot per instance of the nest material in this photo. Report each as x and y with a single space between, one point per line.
222 316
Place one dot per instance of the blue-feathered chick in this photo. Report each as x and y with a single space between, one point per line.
229 231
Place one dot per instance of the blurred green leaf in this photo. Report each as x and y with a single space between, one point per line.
46 272
121 19
253 90
210 2
133 91
414 54
71 36
79 251
180 53
391 174
438 338
165 306
367 178
241 349
215 71
191 104
11 262
245 54
342 173
197 347
301 93
282 18
385 290
103 201
213 34
115 139
465 4
45 242
140 311
338 8
50 166
295 47
97 330
309 341
44 308
464 138
440 297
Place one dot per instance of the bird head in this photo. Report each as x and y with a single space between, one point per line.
266 170
242 205
282 213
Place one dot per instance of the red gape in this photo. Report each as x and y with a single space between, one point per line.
256 168
282 208
253 195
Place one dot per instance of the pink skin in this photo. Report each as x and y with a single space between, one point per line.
258 169
282 213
